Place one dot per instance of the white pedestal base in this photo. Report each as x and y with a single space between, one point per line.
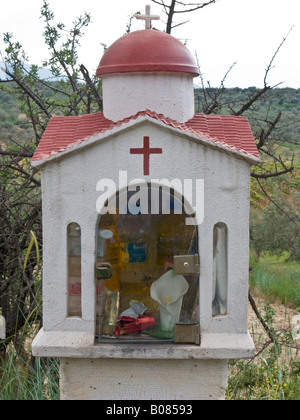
134 379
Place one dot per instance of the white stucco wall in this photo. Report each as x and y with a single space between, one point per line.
171 94
2 328
69 195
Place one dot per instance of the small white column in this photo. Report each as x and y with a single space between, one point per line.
2 328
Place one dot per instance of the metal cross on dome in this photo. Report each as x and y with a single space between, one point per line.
147 17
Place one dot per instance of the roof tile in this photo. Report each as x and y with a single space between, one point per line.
229 131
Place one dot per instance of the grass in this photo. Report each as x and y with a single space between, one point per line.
278 279
24 377
270 378
274 374
30 379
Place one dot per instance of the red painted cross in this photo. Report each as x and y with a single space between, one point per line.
146 151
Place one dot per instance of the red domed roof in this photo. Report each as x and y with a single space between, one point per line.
147 51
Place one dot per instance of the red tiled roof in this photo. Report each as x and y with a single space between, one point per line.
230 132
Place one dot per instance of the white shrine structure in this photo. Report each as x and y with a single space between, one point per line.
145 233
2 328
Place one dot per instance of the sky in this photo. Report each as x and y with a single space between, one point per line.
245 32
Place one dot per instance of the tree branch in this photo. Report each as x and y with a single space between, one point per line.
28 92
195 6
275 204
265 135
272 174
261 320
26 174
251 101
91 85
270 66
16 154
172 10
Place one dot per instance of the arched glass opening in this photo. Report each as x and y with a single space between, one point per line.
147 270
74 270
220 277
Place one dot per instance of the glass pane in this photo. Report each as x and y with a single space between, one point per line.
143 299
74 270
219 305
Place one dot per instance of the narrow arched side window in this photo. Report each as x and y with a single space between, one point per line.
220 270
74 270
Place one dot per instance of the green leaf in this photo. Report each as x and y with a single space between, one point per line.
32 241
